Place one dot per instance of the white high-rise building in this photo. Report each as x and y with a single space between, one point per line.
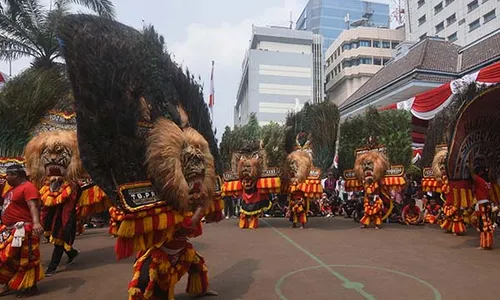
459 21
282 70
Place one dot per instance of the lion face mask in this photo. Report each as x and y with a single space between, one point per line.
180 165
54 155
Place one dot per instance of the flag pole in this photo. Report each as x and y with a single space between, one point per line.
211 99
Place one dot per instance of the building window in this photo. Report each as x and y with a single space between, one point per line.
394 44
451 19
484 1
423 36
438 8
354 62
354 45
377 61
452 38
474 25
420 3
385 61
386 44
376 44
439 27
448 2
473 5
461 22
365 43
489 16
346 47
421 20
366 60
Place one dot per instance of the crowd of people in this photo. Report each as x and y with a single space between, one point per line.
412 206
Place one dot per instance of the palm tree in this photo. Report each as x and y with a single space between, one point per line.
27 28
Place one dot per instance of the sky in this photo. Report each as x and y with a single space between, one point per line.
199 31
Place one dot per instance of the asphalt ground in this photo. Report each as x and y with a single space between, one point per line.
331 259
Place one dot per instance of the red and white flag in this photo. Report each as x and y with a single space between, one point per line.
211 98
3 79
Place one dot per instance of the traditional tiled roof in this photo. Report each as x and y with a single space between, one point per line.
433 60
481 52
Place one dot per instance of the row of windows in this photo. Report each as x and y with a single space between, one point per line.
385 44
362 60
451 19
438 7
472 26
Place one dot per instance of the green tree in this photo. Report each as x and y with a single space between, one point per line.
225 148
273 137
24 100
351 137
396 136
28 28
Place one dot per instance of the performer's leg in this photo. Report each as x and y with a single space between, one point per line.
72 254
365 221
54 262
446 225
243 221
378 222
458 227
253 222
303 219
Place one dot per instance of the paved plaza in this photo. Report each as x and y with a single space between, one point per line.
332 259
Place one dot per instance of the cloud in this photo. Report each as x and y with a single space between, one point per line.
226 43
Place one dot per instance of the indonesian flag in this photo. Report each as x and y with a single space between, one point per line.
211 98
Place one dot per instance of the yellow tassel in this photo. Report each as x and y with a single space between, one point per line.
194 284
148 224
127 228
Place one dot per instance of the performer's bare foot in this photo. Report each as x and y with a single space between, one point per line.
363 226
479 248
302 227
377 228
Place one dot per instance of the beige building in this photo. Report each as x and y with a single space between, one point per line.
458 21
355 56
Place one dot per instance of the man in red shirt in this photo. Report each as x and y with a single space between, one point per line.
483 207
19 235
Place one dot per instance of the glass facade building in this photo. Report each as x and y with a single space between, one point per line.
327 17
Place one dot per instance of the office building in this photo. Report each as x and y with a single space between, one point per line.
355 56
458 21
282 70
330 17
426 65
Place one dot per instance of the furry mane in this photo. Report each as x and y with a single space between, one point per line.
436 162
380 165
49 139
164 165
303 162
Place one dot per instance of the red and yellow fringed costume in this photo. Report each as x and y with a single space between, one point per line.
58 214
485 225
432 213
253 182
453 215
160 172
20 267
373 212
373 174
